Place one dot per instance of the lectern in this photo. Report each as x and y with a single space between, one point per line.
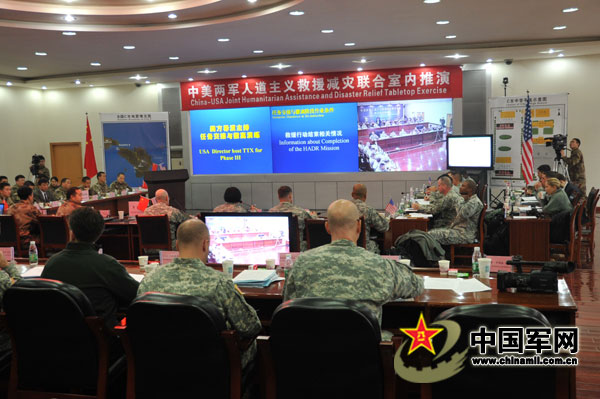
171 180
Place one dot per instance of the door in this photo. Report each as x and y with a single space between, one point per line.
67 161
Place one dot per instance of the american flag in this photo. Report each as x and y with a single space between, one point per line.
391 208
527 147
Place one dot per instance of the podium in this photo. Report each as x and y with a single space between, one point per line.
171 180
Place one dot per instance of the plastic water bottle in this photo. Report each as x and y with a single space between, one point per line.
287 264
475 261
33 254
412 194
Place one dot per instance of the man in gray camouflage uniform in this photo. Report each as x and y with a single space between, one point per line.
188 275
286 198
464 227
101 188
443 211
372 218
342 270
176 217
120 184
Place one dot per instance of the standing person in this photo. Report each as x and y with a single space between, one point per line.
72 203
26 216
373 220
286 199
176 217
100 188
575 164
61 193
120 184
43 171
42 193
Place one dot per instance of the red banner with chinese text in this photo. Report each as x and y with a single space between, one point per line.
338 87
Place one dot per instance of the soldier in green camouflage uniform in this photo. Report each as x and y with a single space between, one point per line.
176 217
342 270
575 164
19 182
286 197
61 193
444 211
188 275
86 184
372 218
101 188
42 171
119 185
464 227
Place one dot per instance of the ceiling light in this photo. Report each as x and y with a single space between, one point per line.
489 60
571 9
95 64
129 47
349 44
9 83
69 33
244 76
78 82
172 16
300 73
550 51
422 64
138 77
174 58
326 30
41 53
431 1
147 82
560 27
44 88
22 68
456 56
443 22
363 60
69 18
450 36
280 66
257 51
190 79
252 1
91 85
561 55
296 13
359 69
223 39
207 71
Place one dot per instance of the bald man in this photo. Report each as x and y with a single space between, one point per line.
189 275
343 270
176 217
373 220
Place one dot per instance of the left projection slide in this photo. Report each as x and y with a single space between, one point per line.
231 141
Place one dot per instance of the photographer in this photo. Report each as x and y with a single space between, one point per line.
575 164
38 167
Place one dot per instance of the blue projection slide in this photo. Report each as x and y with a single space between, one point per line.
231 141
314 138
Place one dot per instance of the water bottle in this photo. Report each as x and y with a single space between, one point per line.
475 261
287 265
33 254
412 194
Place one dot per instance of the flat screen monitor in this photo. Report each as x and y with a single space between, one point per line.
475 152
249 238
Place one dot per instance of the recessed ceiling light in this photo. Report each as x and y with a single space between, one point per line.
257 51
190 79
251 1
326 30
489 60
9 83
422 64
450 36
129 47
359 69
174 58
456 56
444 22
349 44
91 85
550 51
571 9
172 16
561 55
244 76
78 82
69 18
223 39
560 27
363 60
280 66
138 77
95 64
431 1
300 73
41 53
44 88
296 13
147 82
21 68
207 71
69 33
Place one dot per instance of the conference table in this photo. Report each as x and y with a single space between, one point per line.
111 204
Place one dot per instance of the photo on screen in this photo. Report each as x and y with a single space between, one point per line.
247 239
403 135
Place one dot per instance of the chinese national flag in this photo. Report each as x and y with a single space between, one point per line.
143 203
90 159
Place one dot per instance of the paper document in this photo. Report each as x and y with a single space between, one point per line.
524 217
137 277
420 215
460 286
33 272
524 208
256 278
422 201
529 199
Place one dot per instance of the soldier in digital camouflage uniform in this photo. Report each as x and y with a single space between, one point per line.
286 197
188 275
120 184
443 211
101 188
342 270
575 164
176 217
60 194
19 182
464 228
373 220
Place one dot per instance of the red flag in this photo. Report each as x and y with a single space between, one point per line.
144 185
143 203
154 167
90 159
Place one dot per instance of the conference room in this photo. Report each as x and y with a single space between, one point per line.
260 95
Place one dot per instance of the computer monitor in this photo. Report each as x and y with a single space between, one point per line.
1 209
470 152
249 238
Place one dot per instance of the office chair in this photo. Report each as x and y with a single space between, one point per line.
54 233
154 232
479 241
9 235
316 235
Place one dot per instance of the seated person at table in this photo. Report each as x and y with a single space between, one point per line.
29 184
189 275
26 216
54 184
100 188
556 199
5 195
60 194
73 202
233 202
464 227
572 190
342 270
444 211
86 184
19 182
3 179
102 278
120 184
43 194
541 172
9 274
432 193
286 199
373 220
176 217
457 180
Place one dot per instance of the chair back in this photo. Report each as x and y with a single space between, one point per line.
326 348
481 226
590 207
316 234
154 232
175 347
9 233
482 192
54 233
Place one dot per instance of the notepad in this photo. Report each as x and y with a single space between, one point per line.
256 278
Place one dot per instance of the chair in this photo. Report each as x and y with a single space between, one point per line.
154 232
569 249
316 234
9 235
178 347
61 349
54 233
588 227
482 192
503 381
479 241
325 348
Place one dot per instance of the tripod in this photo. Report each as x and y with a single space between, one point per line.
560 167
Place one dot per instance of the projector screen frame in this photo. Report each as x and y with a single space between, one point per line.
449 138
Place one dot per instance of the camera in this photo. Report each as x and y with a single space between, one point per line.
508 61
35 164
544 280
505 80
559 142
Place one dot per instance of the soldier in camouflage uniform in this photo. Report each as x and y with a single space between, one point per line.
233 202
188 275
101 188
286 197
86 184
342 270
61 193
372 218
176 217
443 211
42 171
120 184
54 185
575 164
19 182
464 228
